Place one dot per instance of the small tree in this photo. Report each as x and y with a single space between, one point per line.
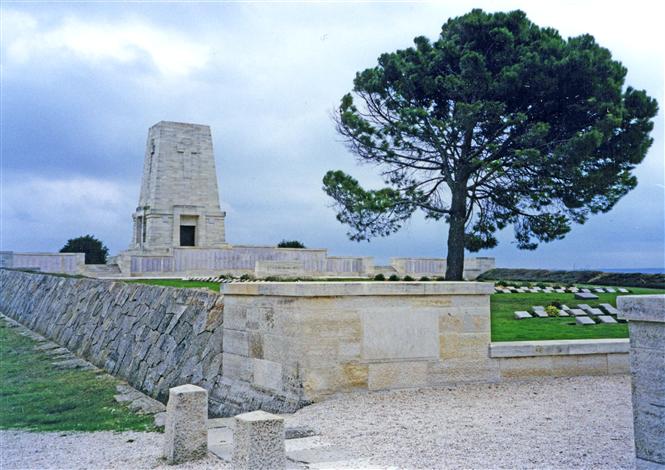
499 122
290 244
95 251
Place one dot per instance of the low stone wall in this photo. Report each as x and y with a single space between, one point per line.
560 358
433 267
266 261
66 263
305 341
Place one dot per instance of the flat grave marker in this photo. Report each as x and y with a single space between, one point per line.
584 321
609 309
606 319
578 312
521 315
585 296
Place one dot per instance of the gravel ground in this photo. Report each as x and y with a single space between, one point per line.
581 422
93 450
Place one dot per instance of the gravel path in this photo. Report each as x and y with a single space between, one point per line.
581 422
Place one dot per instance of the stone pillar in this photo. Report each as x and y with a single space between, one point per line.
258 441
186 430
646 322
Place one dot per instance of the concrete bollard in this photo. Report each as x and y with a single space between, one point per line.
646 323
186 429
258 441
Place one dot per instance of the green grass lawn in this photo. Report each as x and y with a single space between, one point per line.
37 396
178 283
506 328
215 286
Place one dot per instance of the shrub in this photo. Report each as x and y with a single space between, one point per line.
380 277
290 244
246 277
502 284
556 304
408 278
440 278
542 285
424 278
393 277
552 311
95 251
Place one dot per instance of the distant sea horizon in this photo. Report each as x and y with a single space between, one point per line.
630 270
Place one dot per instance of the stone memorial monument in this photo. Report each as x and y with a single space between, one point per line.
179 201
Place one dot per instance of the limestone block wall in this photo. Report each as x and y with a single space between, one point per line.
310 262
560 358
67 263
418 267
305 341
6 259
259 260
349 266
646 322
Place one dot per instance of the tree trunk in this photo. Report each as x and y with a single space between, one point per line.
455 260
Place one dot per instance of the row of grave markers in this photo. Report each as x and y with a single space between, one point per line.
583 313
562 290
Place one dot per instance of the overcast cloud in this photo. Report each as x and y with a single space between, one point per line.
82 83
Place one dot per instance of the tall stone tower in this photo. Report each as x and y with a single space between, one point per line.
179 201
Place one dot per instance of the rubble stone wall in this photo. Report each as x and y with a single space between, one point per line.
154 337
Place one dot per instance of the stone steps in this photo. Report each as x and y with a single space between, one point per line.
101 270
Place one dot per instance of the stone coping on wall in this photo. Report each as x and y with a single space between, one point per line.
559 347
338 289
650 308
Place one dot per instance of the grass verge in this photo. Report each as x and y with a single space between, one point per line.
506 328
177 283
37 396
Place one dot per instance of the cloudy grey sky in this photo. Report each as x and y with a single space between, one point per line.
81 84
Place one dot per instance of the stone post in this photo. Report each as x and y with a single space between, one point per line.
258 441
186 429
646 322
